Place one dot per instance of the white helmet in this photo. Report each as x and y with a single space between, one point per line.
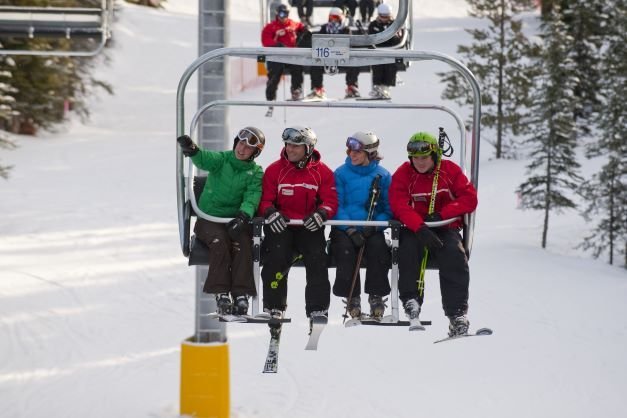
300 135
384 9
363 141
336 11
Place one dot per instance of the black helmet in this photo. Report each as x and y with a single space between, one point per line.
253 137
283 9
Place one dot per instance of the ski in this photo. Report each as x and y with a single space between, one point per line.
317 326
416 325
262 318
381 99
480 332
272 358
318 99
385 321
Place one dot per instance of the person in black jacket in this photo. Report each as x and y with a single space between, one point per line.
336 24
384 75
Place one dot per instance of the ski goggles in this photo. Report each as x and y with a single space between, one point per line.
335 18
353 144
293 136
420 148
283 14
250 138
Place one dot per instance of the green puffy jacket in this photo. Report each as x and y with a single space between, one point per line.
232 185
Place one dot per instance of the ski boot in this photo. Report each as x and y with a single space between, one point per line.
240 306
297 94
458 325
269 111
352 91
317 93
316 314
412 308
381 92
275 321
377 306
225 305
354 307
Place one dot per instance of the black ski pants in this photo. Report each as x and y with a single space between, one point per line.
230 262
350 5
275 71
279 250
305 7
366 8
452 262
317 74
377 255
384 74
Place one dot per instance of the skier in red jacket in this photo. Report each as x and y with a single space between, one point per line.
297 186
413 203
282 32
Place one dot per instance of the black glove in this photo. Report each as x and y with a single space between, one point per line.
187 145
276 221
356 236
315 220
237 225
433 217
428 239
369 231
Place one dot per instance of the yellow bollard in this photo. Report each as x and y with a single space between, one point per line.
205 379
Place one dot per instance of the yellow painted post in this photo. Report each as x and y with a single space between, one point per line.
205 379
261 69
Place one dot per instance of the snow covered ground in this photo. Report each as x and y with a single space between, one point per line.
95 296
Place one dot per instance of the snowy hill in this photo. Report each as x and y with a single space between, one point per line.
95 296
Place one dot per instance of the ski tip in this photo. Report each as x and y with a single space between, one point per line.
484 331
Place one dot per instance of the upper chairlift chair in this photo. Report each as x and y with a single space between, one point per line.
72 23
187 200
404 19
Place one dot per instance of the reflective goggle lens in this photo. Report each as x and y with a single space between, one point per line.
334 18
283 14
250 138
293 136
416 149
353 144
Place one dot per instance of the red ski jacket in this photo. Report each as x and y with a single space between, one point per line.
410 194
297 192
292 29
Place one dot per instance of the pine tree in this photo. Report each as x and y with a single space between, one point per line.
606 192
43 84
497 57
6 110
553 170
584 20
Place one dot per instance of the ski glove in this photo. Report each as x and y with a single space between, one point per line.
369 231
433 217
315 220
428 239
356 236
237 225
188 147
276 221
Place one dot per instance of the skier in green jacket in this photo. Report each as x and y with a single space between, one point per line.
232 190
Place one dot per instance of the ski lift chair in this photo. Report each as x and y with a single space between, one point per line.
187 202
75 24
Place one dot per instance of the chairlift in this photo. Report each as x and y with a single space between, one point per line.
404 19
187 199
70 23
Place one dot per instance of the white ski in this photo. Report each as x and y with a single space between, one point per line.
272 358
269 112
318 325
480 332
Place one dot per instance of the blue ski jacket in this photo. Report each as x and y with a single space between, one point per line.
353 184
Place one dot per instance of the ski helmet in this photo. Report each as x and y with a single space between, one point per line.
253 138
363 141
422 144
300 135
283 10
337 12
384 9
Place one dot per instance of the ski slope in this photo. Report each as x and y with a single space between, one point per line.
95 296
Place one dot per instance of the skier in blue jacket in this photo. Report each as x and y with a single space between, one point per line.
353 181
